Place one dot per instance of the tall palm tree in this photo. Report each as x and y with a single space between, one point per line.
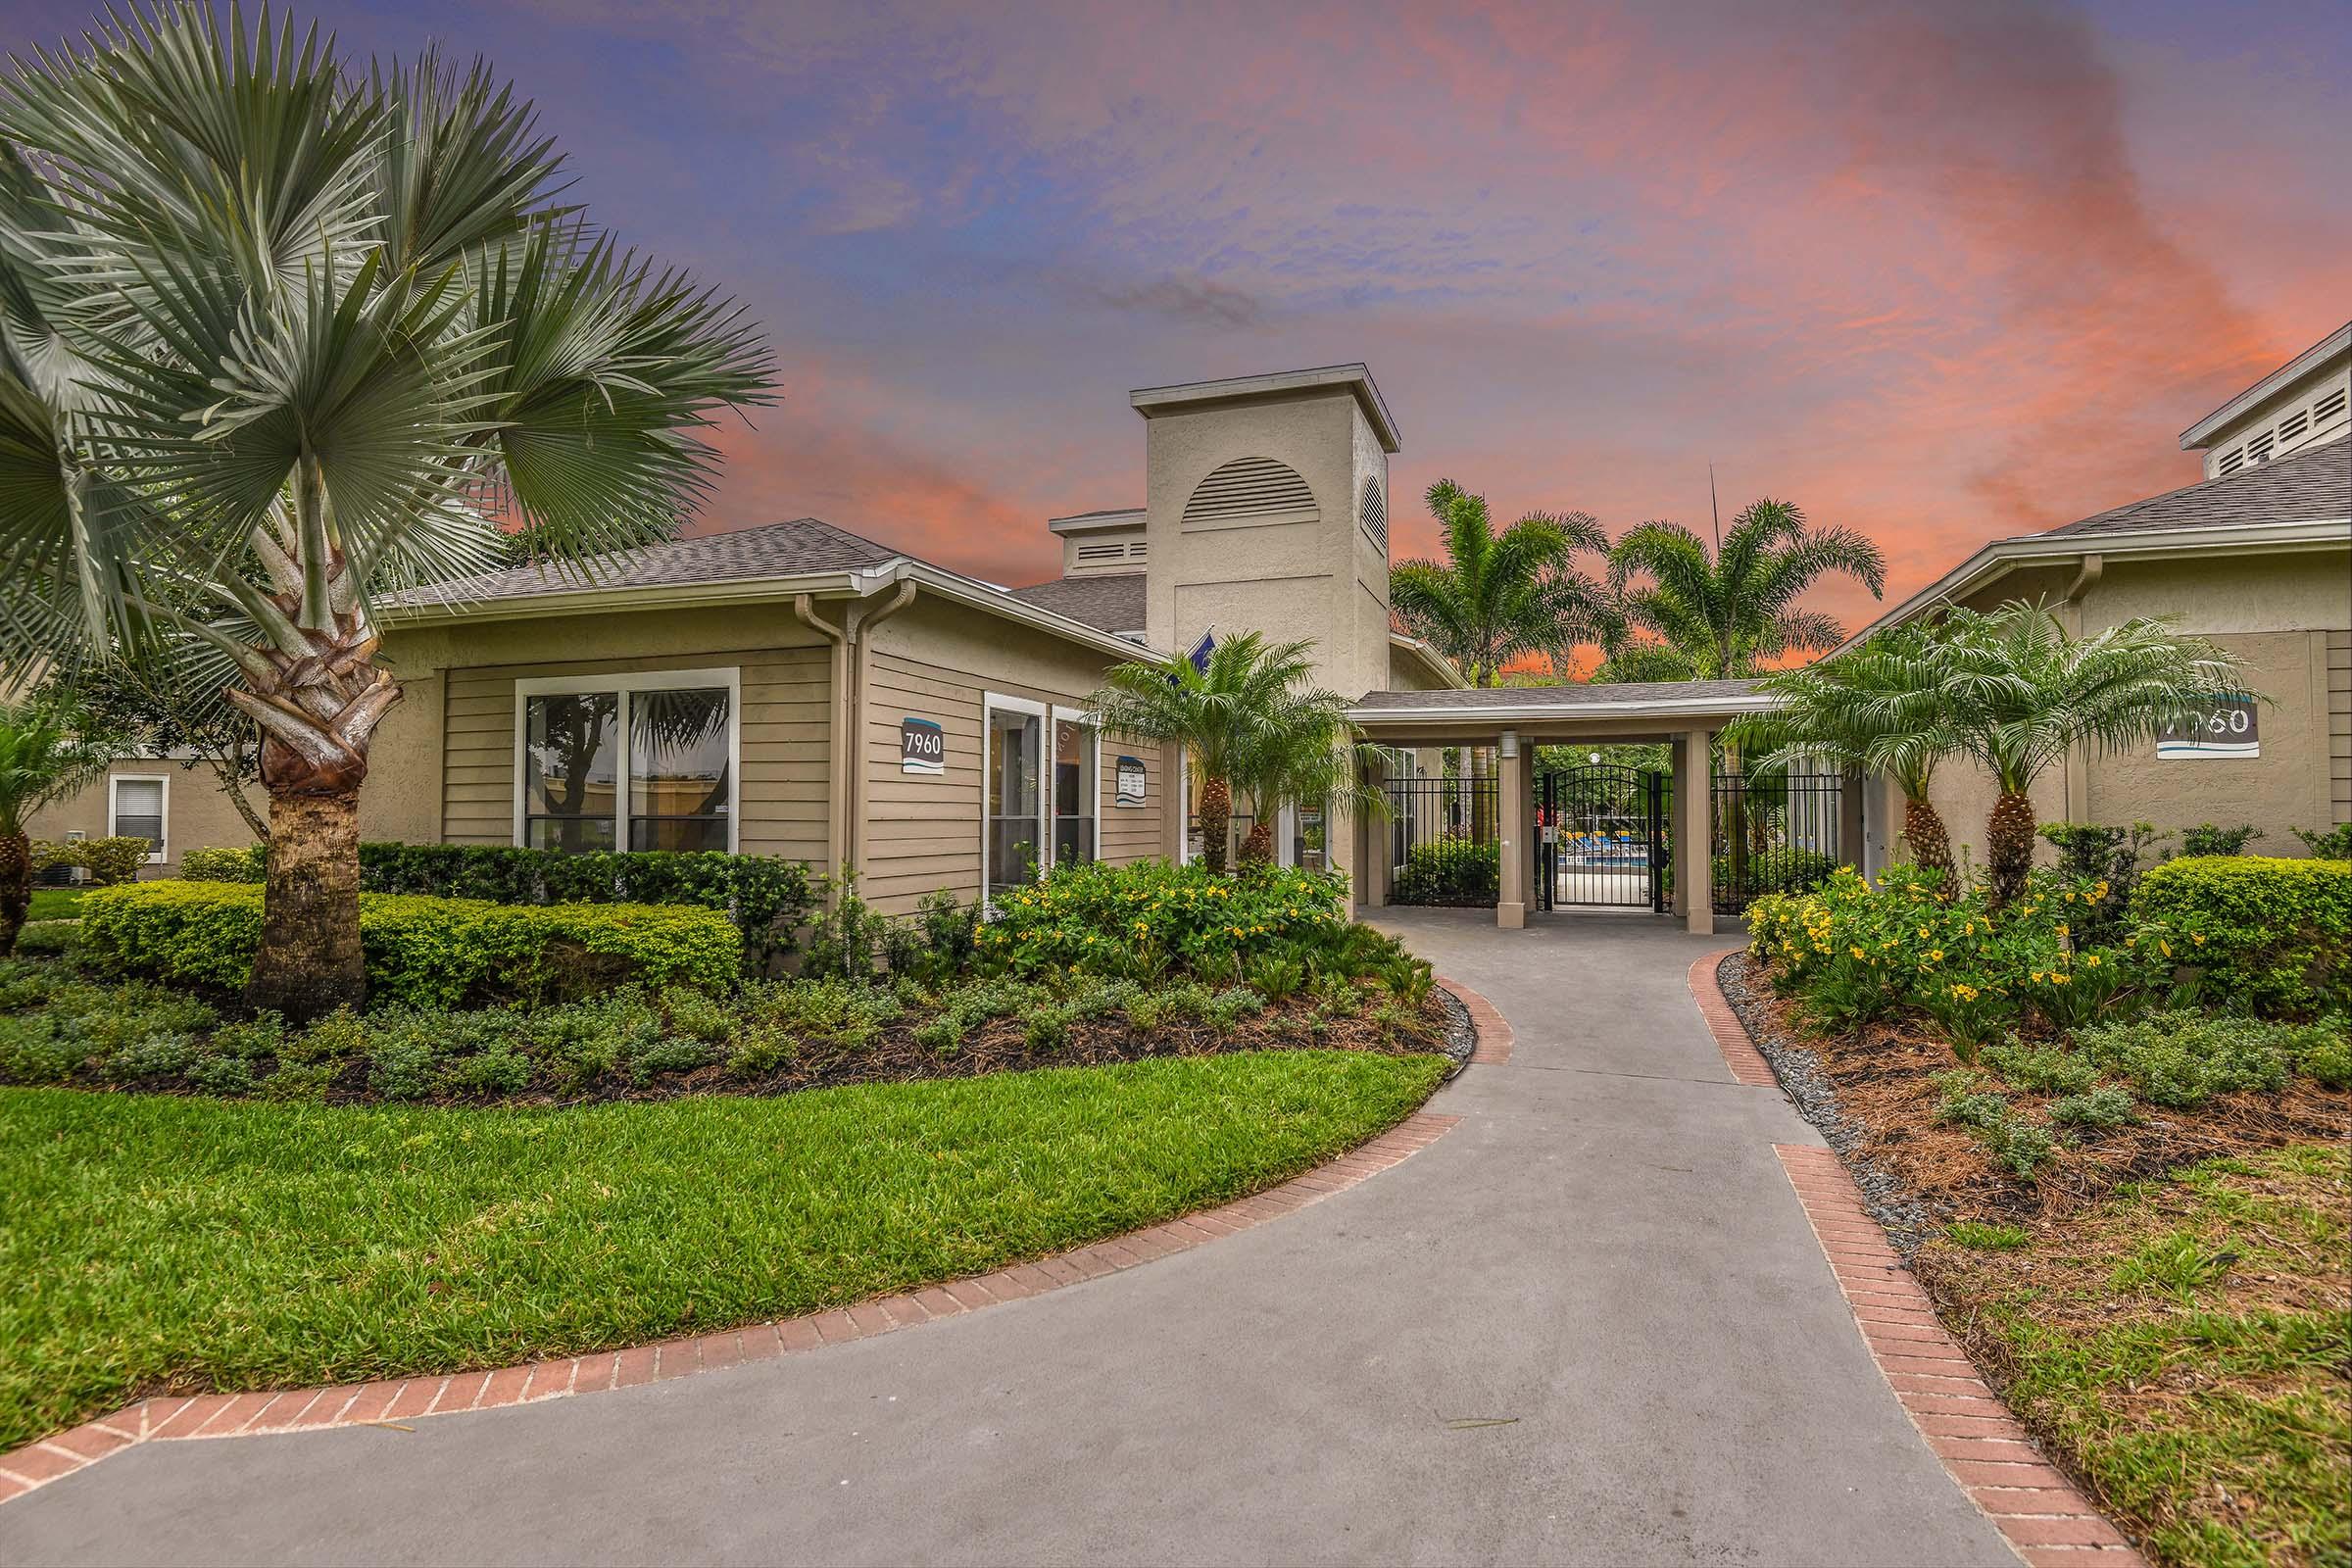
2023 692
282 336
1249 714
1497 596
1877 707
1729 610
42 758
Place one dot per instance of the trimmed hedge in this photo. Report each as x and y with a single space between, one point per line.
2272 935
1450 871
1147 916
422 952
770 898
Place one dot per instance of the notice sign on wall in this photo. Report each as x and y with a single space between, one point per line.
1128 785
2226 726
922 747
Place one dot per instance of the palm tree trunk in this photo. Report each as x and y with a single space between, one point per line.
1931 842
16 888
1257 848
2009 846
1216 821
310 962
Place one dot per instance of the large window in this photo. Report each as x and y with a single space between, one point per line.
1043 800
639 761
136 807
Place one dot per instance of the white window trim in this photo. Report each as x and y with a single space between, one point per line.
1094 795
1184 807
992 703
646 680
114 783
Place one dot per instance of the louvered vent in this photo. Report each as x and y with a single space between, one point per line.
2293 425
2232 460
1107 556
1251 490
2258 450
1375 510
2329 407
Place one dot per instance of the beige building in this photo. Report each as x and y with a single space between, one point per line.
2257 557
801 690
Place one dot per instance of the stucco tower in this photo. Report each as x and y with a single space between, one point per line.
1266 507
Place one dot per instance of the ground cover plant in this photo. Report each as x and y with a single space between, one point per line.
2187 1340
157 1242
2055 1083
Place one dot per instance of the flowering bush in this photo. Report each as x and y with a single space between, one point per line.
1853 953
1151 917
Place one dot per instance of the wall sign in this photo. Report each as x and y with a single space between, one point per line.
1129 789
922 747
2225 727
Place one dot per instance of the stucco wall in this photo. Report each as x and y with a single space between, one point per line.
196 814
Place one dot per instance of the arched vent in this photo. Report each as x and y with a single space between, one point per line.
1374 511
1251 490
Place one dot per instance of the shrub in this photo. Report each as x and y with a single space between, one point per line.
48 937
2099 1108
423 951
2044 1069
2211 838
2271 935
2182 1060
769 898
2021 1145
2331 844
1448 872
1776 871
1119 921
109 861
2111 855
245 863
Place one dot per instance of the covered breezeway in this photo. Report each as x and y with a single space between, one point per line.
1597 837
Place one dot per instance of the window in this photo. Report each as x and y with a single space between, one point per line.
638 761
1044 801
135 808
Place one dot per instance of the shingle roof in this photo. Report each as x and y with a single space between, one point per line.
777 550
1580 695
1111 603
2308 486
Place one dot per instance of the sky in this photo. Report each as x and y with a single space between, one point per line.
1940 271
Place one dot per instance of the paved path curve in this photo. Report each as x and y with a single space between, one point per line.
1589 1325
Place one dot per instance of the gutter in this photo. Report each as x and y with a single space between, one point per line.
1645 708
837 686
863 623
2004 556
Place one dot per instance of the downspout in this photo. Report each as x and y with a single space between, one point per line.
2078 757
858 681
837 804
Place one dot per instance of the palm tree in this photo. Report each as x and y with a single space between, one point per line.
2023 692
42 758
1729 610
1497 596
281 338
1248 714
1876 706
1304 755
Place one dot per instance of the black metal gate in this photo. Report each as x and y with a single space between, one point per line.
1602 839
1774 833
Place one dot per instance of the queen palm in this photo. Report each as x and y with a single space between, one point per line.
1249 714
2023 692
1877 707
1730 610
1502 596
42 760
281 338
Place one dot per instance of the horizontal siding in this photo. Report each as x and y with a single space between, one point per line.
784 725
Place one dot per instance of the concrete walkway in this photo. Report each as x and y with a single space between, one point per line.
1589 1325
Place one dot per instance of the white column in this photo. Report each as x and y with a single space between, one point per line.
1514 823
1694 830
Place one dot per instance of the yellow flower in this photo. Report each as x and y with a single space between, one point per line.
1935 954
1859 954
2060 979
2062 929
2197 938
2091 961
2038 977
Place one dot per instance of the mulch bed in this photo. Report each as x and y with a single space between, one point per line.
1873 1094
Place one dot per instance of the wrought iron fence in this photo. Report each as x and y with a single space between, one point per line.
1444 840
1774 833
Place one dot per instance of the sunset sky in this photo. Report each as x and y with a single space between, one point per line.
1940 272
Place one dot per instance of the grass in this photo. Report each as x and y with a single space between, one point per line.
2185 1344
56 904
156 1241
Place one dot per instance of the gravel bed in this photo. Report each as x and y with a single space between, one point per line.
1461 1035
1907 1221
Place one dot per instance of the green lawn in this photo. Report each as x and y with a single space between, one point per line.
151 1239
56 904
2185 1344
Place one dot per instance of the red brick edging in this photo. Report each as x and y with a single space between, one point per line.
398 1399
1494 1035
1740 1054
2038 1512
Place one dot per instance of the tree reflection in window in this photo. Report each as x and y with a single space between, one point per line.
678 769
571 762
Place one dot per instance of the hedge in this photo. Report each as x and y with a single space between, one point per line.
1454 871
770 898
2272 935
1149 915
422 952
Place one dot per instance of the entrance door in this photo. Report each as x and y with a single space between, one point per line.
1602 839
